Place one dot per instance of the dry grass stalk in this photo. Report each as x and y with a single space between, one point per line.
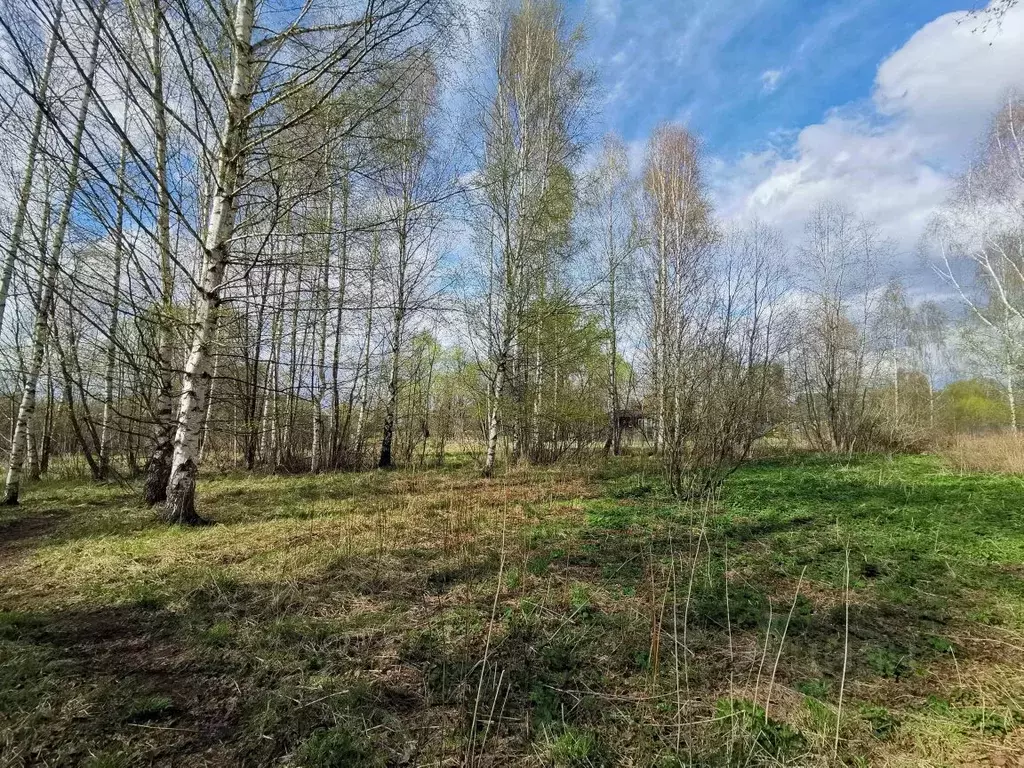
1002 453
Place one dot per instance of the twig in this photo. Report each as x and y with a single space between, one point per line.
782 642
846 654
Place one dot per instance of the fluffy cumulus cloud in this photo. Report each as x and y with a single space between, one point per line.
893 157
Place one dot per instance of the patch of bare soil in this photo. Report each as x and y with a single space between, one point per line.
22 533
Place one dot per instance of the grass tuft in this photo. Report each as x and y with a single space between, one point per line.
552 616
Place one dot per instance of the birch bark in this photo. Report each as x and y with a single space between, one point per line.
41 335
25 193
106 428
158 470
181 488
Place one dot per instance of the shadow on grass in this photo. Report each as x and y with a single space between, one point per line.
407 657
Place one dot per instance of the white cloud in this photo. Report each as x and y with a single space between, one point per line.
946 81
770 80
606 10
891 160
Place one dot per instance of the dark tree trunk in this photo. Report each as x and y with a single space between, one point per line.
158 468
391 414
158 473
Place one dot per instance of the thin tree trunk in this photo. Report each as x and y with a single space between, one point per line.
391 412
336 447
425 431
253 434
1011 397
66 358
493 418
106 429
271 443
293 359
220 227
364 390
931 403
19 441
320 357
158 471
614 434
208 417
48 418
25 192
33 455
44 308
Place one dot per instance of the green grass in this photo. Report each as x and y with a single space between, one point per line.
555 616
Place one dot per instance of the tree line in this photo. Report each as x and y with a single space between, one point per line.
367 233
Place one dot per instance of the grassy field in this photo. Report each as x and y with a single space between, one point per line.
563 617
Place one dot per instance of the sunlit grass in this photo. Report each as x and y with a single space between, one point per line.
550 614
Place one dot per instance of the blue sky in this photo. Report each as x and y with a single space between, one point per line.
872 104
743 73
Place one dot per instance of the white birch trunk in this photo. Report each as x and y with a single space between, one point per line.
106 428
220 227
49 272
336 446
208 417
41 335
493 421
316 454
364 391
25 192
158 470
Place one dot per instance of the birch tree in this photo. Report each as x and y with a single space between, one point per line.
40 96
529 134
412 187
980 236
50 264
322 60
679 230
618 237
158 469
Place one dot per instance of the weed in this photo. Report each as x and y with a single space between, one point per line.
756 731
218 634
632 487
108 760
987 721
149 708
338 747
823 719
817 688
883 722
581 601
13 624
747 607
575 748
889 662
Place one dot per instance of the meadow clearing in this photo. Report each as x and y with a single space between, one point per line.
563 616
